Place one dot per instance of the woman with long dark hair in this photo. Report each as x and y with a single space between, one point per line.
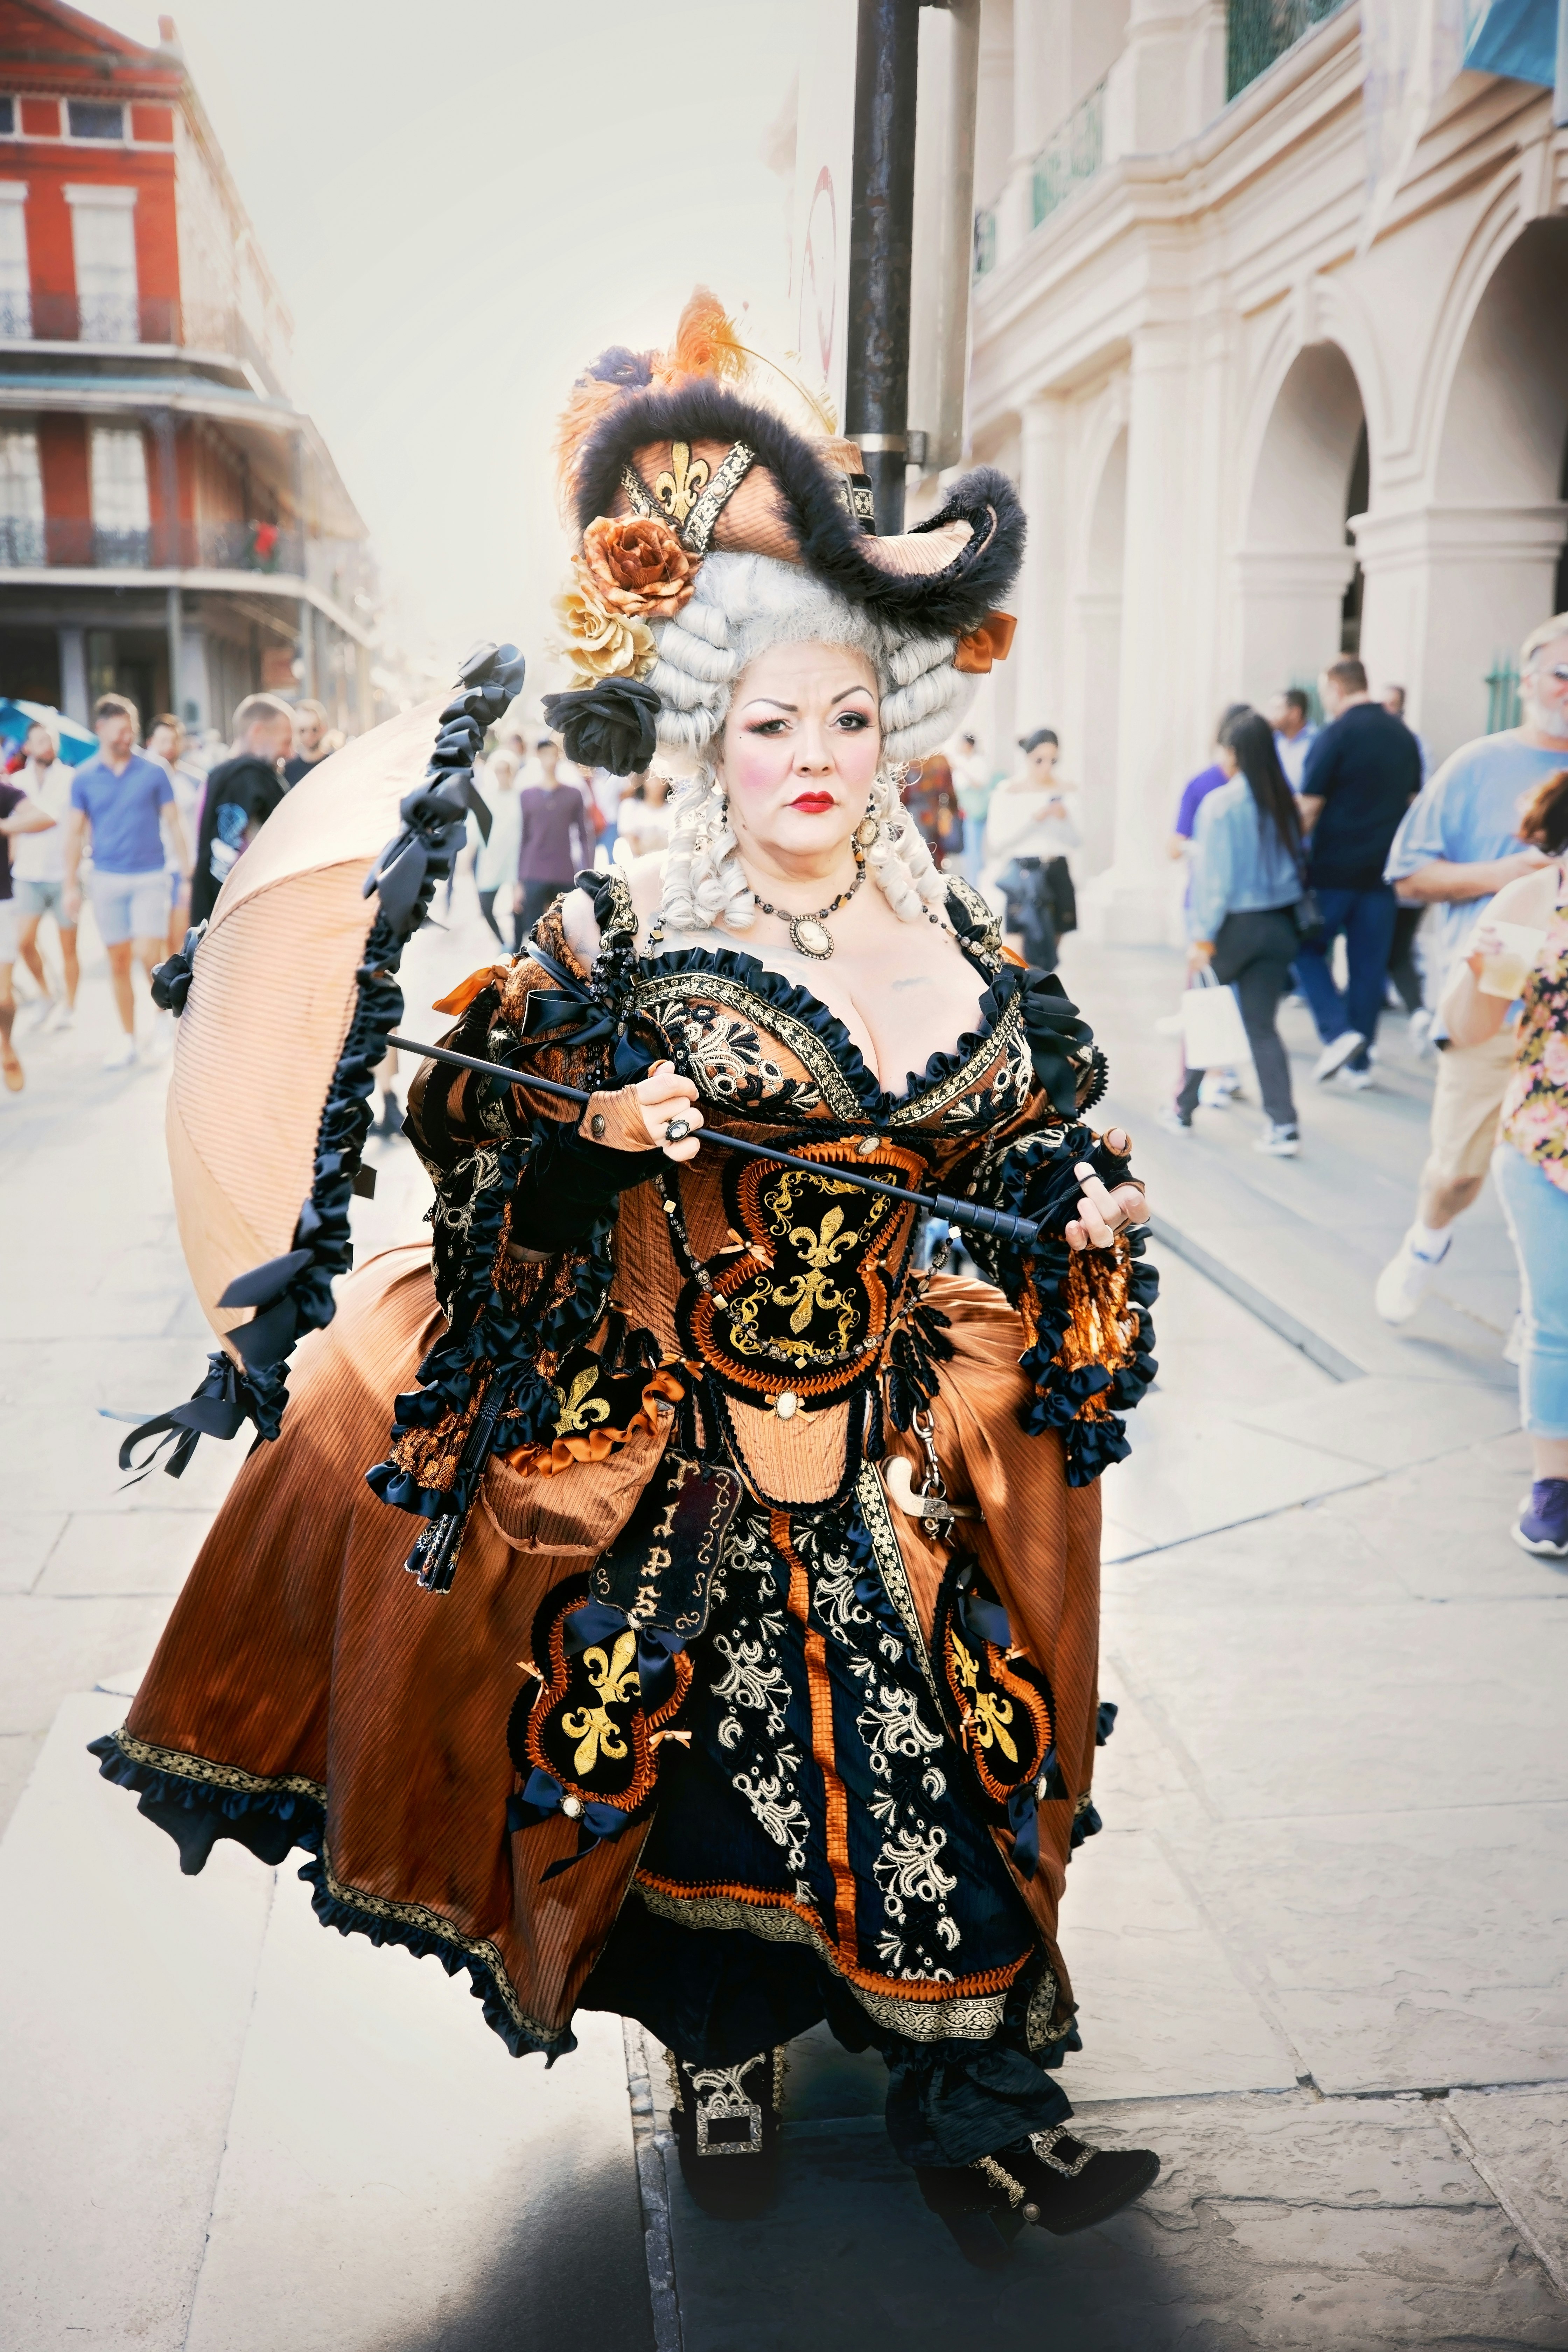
1246 884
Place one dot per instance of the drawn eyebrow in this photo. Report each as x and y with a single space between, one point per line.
774 703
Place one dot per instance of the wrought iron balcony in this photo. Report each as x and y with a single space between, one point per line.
1070 156
77 543
1258 31
130 320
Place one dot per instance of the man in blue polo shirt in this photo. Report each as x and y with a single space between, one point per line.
1456 848
124 805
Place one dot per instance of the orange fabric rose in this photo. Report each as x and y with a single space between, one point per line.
599 643
638 567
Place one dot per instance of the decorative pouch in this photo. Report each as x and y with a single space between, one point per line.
659 1568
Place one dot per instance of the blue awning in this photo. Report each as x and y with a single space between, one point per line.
1517 37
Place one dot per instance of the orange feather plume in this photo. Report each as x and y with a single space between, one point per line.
705 341
588 401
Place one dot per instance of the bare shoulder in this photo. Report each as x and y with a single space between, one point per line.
1530 899
646 880
580 927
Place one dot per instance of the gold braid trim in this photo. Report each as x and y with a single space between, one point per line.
180 1765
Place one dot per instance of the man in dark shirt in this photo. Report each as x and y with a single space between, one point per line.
1362 774
242 792
557 839
310 750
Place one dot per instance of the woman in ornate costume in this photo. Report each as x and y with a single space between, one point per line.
747 1678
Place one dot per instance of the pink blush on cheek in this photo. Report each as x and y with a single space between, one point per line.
756 762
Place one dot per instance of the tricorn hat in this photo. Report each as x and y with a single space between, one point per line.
668 457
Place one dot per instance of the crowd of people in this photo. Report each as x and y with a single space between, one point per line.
1449 897
143 833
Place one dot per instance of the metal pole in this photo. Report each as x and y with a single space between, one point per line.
882 231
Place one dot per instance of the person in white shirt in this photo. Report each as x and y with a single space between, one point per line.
644 825
495 860
166 743
1294 734
38 870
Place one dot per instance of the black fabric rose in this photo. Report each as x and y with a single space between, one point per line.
608 726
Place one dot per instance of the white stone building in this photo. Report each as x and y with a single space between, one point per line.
1279 374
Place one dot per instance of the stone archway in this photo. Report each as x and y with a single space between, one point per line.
1457 581
1097 616
1296 573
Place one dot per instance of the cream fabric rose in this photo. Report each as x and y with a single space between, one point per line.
599 643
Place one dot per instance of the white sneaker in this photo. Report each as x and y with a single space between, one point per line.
1279 1142
63 1016
1171 1120
1334 1058
1405 1282
1219 1089
1357 1081
121 1057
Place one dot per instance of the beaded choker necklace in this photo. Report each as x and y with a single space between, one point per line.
809 933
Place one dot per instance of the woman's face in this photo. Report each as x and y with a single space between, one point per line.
800 748
1042 762
38 746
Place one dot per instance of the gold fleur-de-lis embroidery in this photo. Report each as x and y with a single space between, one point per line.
578 1408
821 1251
678 492
613 1679
990 1712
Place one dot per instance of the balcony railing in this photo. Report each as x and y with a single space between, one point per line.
985 243
1070 156
127 318
77 543
1258 31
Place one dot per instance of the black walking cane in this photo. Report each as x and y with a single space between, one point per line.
999 1223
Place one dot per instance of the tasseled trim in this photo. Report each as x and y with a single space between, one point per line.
1085 1312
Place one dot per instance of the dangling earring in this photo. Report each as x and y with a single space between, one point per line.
866 831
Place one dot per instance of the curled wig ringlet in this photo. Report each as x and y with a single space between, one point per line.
741 604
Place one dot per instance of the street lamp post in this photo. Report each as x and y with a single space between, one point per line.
881 226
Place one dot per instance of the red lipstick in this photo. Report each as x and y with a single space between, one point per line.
813 804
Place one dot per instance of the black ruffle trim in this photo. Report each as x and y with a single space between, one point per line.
271 1824
1036 1180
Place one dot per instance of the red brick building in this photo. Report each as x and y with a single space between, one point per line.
171 525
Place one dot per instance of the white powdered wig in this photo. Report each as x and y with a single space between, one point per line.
741 606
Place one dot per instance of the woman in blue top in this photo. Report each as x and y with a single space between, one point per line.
1246 884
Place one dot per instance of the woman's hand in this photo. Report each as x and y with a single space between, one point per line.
638 1118
1200 955
1101 1215
1486 942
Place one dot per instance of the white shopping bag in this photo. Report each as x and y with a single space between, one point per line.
1212 1036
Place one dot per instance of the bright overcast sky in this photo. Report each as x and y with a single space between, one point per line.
462 203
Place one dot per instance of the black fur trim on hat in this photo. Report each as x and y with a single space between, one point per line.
831 542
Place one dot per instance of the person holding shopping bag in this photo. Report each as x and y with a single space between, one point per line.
1242 916
1520 955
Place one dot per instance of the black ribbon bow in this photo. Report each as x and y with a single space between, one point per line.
218 1409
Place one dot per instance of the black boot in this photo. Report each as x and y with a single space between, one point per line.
726 2121
1050 2180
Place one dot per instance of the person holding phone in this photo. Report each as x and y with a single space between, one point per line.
1520 954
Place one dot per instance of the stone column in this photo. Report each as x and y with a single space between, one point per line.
1130 902
73 674
1450 589
1035 685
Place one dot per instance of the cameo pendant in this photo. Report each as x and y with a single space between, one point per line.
811 937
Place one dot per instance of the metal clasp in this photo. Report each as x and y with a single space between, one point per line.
930 1508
